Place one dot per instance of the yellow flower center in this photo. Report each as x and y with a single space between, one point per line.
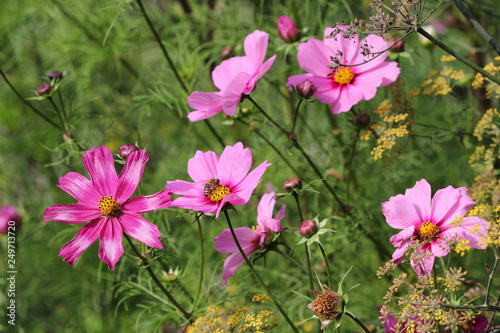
428 231
109 207
343 76
218 193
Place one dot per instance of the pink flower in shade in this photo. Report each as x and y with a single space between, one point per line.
233 77
9 214
250 240
432 225
347 85
218 182
104 201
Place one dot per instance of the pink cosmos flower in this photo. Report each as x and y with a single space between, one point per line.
287 29
250 240
431 224
348 85
233 77
9 214
104 201
218 181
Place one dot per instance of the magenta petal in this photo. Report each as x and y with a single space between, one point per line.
139 228
100 165
199 204
83 239
234 164
141 205
475 230
400 252
262 70
224 73
232 263
449 203
79 188
245 188
266 206
131 175
349 46
255 49
205 104
420 196
203 166
111 247
402 236
378 43
231 96
314 57
224 242
186 188
439 248
77 213
399 212
389 72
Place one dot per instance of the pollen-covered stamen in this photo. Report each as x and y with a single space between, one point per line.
218 193
109 207
343 75
428 231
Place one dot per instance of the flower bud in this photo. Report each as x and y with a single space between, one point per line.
399 47
44 89
126 150
305 89
363 119
308 228
55 75
291 184
9 217
226 52
287 29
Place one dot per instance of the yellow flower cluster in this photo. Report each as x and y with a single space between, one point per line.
221 320
438 83
492 89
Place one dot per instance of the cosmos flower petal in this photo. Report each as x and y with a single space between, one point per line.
224 73
439 248
348 46
262 70
186 188
77 213
449 203
142 230
313 56
265 214
377 45
198 203
234 164
79 188
399 252
111 247
203 166
224 242
255 49
403 235
87 235
233 262
399 212
131 175
245 188
144 204
206 105
389 72
232 94
348 97
100 165
423 266
420 196
472 228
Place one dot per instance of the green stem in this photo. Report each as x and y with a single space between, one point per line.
160 43
202 265
257 276
308 257
62 107
357 321
458 56
267 115
490 276
349 166
155 279
63 124
325 259
297 173
488 307
475 23
295 262
28 104
296 113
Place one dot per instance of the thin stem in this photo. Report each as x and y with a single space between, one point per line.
295 114
488 307
267 115
155 279
349 166
58 113
297 173
458 56
475 23
295 262
311 163
28 104
257 276
212 129
325 259
62 107
490 276
160 43
308 257
353 317
202 264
